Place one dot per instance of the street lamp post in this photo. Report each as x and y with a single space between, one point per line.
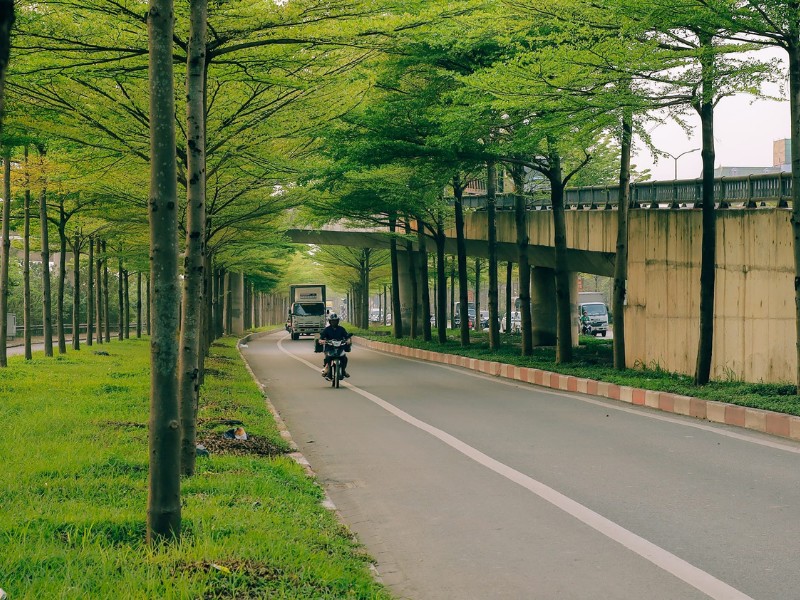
675 158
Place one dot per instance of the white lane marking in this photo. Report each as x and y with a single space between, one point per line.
697 578
609 404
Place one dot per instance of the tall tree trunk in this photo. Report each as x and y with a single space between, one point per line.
441 282
127 303
793 50
423 278
412 272
47 302
220 311
709 243
26 262
139 304
99 292
453 292
62 277
509 281
397 321
106 305
478 266
6 22
6 248
621 264
148 303
120 299
163 505
461 254
90 295
521 225
563 313
491 205
76 293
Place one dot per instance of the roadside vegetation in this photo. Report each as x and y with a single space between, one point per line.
594 359
74 487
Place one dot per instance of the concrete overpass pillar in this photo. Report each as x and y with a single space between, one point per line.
237 303
543 306
406 296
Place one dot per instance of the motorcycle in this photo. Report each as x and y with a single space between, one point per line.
335 349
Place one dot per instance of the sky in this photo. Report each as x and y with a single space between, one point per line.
744 130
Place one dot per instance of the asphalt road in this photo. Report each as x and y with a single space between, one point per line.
464 486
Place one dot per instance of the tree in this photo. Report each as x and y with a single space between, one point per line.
6 248
163 506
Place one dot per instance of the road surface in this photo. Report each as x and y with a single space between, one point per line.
464 486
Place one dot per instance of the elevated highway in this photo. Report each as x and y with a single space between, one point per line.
754 328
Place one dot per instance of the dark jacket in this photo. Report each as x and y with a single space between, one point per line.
334 333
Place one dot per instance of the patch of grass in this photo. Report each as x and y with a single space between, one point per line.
593 359
73 491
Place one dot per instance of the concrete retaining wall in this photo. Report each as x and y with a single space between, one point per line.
754 327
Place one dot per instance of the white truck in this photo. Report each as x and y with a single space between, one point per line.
593 313
308 311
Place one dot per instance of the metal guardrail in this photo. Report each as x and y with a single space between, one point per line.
752 191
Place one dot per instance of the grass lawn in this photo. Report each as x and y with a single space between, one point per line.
73 491
594 360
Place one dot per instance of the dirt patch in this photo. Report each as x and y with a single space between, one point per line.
125 424
219 421
217 444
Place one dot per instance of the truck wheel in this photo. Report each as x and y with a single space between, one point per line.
603 333
295 336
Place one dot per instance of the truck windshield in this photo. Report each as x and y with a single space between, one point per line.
311 310
594 310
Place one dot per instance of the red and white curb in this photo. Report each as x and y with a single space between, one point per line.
773 423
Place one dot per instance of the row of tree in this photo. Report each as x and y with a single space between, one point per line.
272 113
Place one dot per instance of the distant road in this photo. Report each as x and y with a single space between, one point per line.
464 486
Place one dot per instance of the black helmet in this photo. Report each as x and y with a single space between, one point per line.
333 317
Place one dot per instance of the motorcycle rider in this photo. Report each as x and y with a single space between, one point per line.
334 331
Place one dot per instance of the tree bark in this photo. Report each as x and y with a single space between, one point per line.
461 254
127 303
120 299
397 321
793 50
563 314
709 243
148 302
509 299
90 294
101 315
6 248
163 505
423 278
62 277
477 324
76 293
491 211
441 282
26 262
521 225
106 305
621 264
47 301
139 304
